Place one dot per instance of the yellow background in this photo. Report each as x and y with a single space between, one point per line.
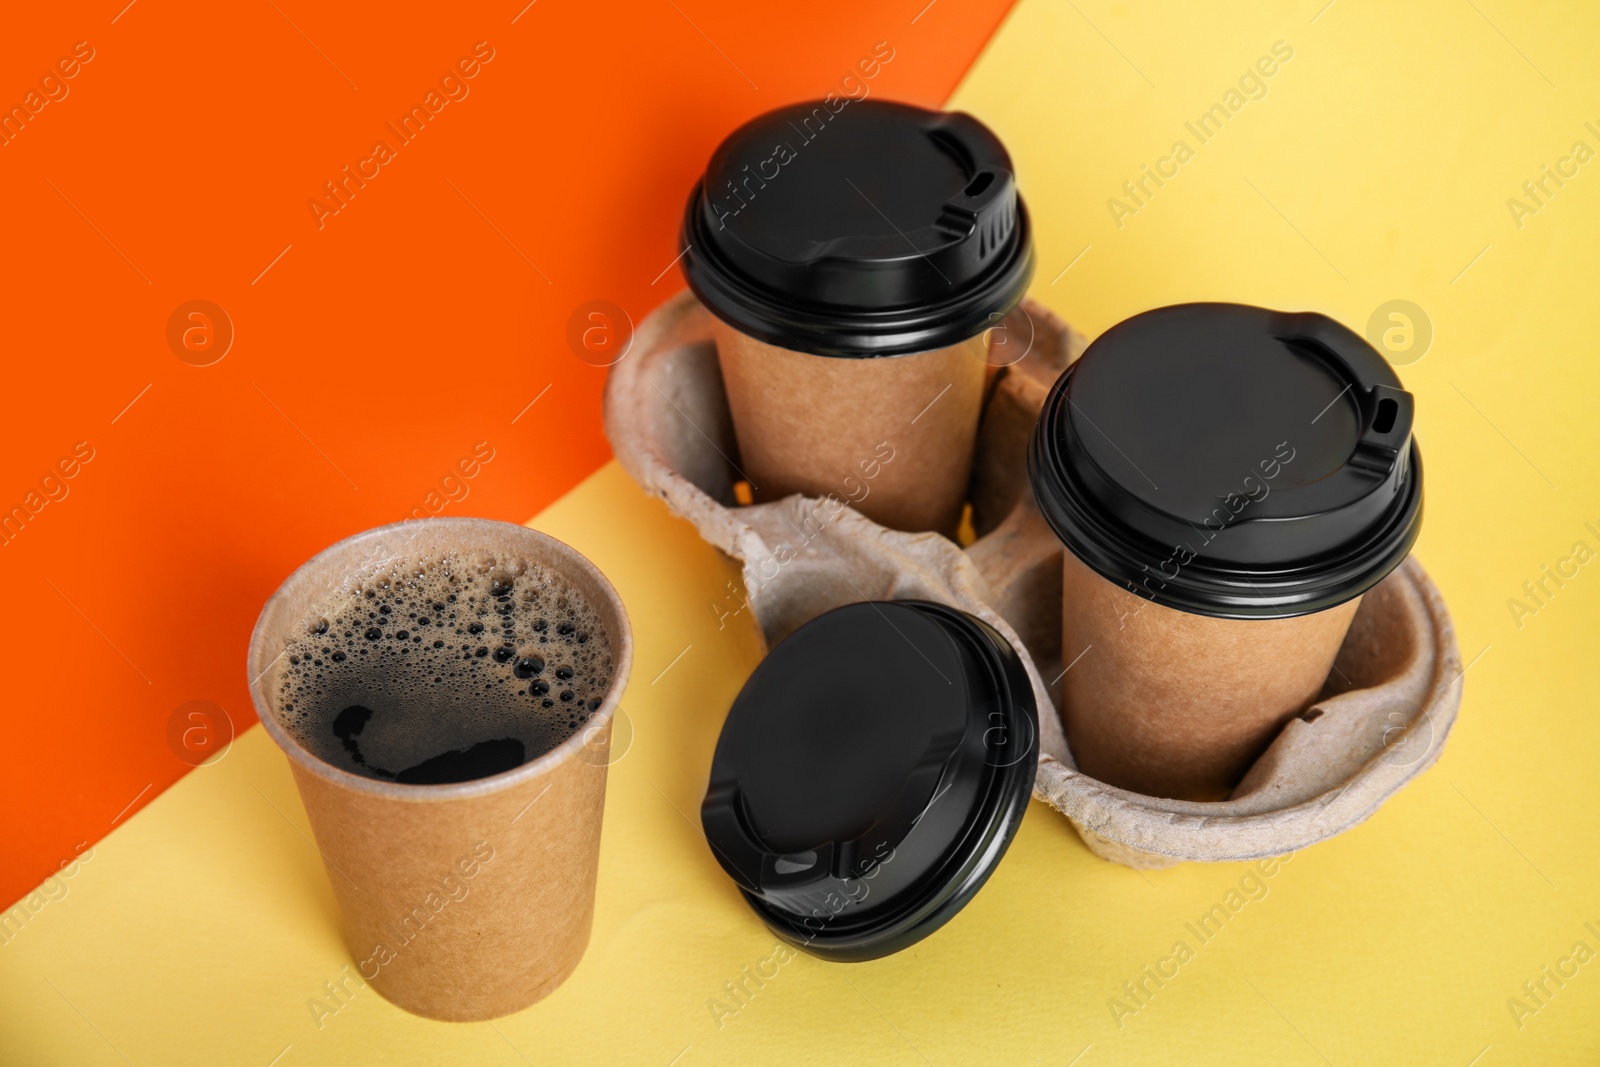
1378 166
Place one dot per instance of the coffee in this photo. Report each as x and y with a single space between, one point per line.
445 670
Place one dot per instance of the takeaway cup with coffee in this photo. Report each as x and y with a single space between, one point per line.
855 255
444 691
1228 481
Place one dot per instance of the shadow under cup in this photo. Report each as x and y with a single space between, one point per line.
469 900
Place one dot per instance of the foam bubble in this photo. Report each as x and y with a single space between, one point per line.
445 669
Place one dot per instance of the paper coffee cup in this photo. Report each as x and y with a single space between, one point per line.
855 253
468 900
1228 481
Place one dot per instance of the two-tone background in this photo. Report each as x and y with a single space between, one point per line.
235 329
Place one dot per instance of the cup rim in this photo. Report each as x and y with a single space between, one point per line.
549 548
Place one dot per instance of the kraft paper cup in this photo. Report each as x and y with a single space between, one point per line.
892 437
470 900
1173 704
1228 482
856 254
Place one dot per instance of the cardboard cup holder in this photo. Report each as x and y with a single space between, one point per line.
1381 718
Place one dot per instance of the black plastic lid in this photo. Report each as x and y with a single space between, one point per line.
858 228
1231 461
871 774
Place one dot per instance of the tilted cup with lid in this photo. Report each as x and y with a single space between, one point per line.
1228 481
871 775
854 255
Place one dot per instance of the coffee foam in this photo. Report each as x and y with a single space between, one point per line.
444 665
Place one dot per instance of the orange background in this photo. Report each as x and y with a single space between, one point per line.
369 359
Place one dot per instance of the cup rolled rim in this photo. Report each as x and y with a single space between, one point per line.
541 546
